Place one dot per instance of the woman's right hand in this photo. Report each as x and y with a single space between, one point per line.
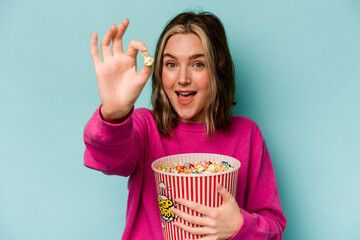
118 81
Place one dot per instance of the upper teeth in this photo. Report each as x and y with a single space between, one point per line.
185 93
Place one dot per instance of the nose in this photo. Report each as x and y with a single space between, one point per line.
184 76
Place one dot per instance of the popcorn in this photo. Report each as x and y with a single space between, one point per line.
148 60
195 167
191 176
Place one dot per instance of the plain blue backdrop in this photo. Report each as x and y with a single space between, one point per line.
298 76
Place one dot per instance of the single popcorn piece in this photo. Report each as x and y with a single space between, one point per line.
148 60
195 167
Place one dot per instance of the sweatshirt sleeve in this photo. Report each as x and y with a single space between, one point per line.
262 213
110 148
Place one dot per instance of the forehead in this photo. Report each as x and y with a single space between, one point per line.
184 45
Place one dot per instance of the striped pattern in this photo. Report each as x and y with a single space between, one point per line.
200 188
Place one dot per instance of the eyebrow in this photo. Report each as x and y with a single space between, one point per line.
195 56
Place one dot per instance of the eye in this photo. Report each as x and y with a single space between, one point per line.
170 64
199 65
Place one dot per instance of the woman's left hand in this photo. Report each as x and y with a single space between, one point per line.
216 223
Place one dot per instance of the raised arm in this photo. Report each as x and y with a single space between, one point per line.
118 81
111 146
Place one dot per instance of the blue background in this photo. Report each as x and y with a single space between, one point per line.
297 72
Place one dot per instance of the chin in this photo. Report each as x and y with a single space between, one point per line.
189 119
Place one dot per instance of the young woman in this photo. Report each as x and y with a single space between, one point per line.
193 89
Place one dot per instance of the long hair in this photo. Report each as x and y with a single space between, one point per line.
220 70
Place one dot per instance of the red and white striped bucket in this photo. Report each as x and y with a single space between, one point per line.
200 188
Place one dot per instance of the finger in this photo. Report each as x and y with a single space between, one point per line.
195 206
134 47
209 237
224 193
145 73
94 51
105 43
117 41
195 230
201 221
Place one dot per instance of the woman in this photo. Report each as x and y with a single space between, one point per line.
193 92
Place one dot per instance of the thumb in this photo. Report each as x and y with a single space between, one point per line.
145 73
224 193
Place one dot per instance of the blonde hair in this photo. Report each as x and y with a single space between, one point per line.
220 70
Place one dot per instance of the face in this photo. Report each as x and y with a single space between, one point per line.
185 77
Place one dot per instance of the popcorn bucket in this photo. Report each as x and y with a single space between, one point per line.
200 188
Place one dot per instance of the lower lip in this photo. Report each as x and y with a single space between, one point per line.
185 102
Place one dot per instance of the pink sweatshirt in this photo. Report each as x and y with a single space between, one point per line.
128 149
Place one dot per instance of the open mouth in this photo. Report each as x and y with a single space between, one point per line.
185 95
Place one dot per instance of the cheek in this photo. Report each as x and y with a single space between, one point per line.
203 81
168 79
